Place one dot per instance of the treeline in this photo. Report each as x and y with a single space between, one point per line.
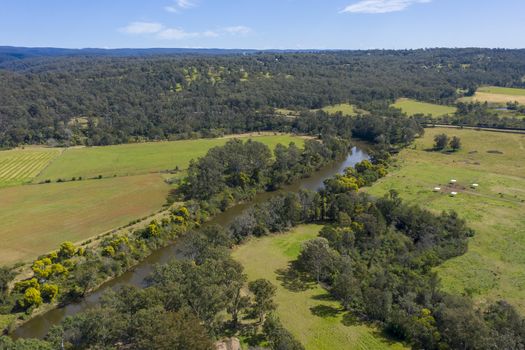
107 100
479 114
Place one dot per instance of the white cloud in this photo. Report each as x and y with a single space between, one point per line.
142 28
381 6
238 30
180 5
160 31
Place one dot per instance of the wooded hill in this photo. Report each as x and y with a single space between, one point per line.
128 96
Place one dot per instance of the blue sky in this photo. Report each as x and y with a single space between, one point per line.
263 24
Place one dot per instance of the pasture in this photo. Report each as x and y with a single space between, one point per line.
37 218
20 166
413 107
310 314
497 95
494 266
141 158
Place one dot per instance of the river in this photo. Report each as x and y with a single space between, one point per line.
39 325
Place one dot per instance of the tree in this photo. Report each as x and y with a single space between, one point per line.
157 329
278 337
263 291
440 142
317 258
455 143
6 276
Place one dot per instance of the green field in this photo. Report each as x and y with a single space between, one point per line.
497 95
502 90
266 258
494 266
37 218
142 158
20 166
412 107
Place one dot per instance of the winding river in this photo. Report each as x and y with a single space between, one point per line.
39 326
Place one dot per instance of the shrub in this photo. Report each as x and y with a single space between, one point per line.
22 286
67 250
32 297
49 292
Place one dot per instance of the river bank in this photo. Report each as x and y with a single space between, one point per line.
37 326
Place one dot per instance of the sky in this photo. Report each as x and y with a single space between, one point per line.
263 24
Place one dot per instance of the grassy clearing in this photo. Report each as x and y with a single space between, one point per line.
37 218
494 267
344 108
300 311
20 166
497 95
412 107
133 159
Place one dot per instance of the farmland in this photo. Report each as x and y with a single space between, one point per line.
142 158
412 107
22 165
494 266
266 258
37 218
498 95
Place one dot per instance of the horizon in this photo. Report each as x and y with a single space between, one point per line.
340 25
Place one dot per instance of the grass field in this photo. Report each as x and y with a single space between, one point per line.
20 166
498 95
37 218
133 159
412 107
494 266
344 108
300 311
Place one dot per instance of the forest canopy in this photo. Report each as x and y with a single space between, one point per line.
99 100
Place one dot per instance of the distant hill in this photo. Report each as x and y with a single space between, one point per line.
10 53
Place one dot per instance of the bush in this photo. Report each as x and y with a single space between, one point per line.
31 298
67 250
49 292
24 285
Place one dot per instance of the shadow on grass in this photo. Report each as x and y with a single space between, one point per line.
293 280
325 311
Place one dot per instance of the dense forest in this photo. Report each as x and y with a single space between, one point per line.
100 99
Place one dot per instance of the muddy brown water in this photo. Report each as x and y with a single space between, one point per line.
40 325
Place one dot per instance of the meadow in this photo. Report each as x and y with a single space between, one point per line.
37 218
313 317
141 158
497 95
494 266
20 166
412 107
